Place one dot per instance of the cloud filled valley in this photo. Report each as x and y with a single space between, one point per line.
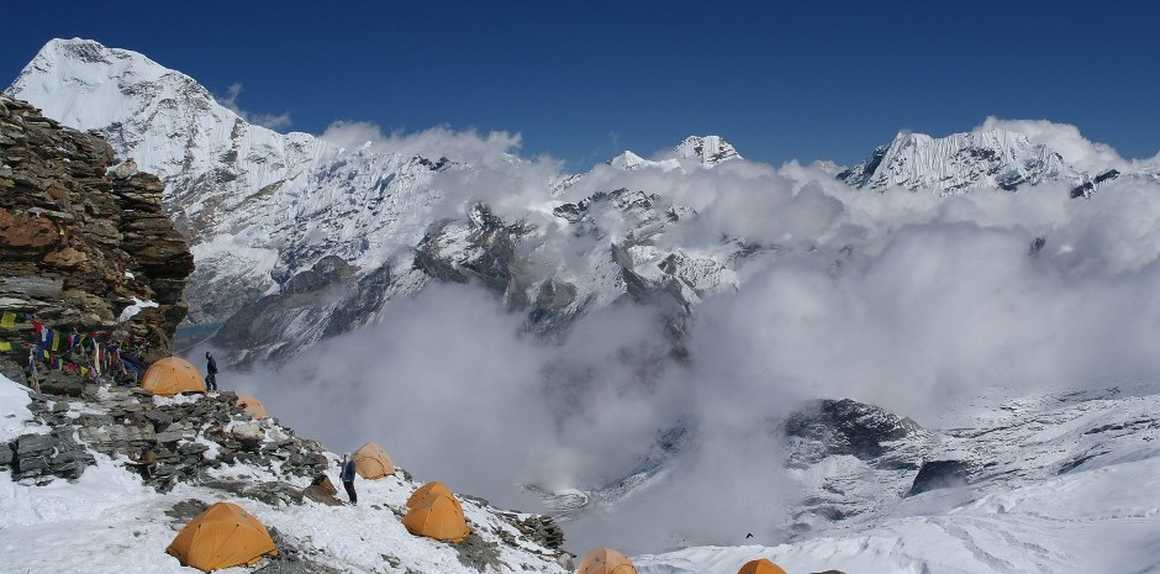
907 300
681 350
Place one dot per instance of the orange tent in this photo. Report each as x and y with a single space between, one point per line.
760 566
172 376
222 536
252 405
439 517
605 561
433 488
372 462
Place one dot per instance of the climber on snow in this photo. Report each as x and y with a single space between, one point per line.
347 476
211 372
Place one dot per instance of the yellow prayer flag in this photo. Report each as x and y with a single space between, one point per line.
56 340
5 346
8 320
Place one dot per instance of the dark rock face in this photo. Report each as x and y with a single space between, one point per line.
1087 188
482 249
43 456
79 241
328 299
828 427
936 474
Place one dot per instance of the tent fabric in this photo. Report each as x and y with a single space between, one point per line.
761 566
253 406
438 516
372 462
172 376
433 488
223 536
605 561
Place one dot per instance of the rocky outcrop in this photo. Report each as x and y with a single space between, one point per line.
43 456
936 474
825 428
80 243
327 300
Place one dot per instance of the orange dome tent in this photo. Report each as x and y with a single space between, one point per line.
433 488
761 566
372 462
252 405
438 516
221 537
172 376
605 561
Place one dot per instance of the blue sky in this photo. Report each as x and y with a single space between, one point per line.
582 81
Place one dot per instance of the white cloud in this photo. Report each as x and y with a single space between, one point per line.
1063 138
272 121
463 146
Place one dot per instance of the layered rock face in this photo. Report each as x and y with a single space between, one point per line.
83 247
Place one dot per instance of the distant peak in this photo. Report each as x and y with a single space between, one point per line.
710 150
628 161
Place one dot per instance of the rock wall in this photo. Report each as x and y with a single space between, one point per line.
80 242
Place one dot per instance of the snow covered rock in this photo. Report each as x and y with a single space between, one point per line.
992 159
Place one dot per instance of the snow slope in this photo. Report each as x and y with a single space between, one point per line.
1104 520
109 521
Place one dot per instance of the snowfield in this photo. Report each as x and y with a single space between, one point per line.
109 521
1103 520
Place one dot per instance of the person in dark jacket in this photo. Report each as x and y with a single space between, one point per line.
347 476
211 372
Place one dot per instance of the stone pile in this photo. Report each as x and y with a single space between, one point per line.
43 456
166 440
80 242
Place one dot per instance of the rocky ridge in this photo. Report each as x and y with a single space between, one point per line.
84 245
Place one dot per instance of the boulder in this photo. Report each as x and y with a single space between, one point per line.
322 491
936 474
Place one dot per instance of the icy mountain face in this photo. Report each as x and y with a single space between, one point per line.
988 159
258 205
709 150
993 159
618 239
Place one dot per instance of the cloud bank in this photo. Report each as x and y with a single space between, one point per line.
906 300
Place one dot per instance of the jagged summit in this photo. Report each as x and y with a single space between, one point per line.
709 150
998 159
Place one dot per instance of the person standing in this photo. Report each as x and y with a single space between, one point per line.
211 372
347 476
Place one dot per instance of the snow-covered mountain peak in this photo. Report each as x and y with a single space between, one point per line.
709 150
86 85
628 161
257 204
990 158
